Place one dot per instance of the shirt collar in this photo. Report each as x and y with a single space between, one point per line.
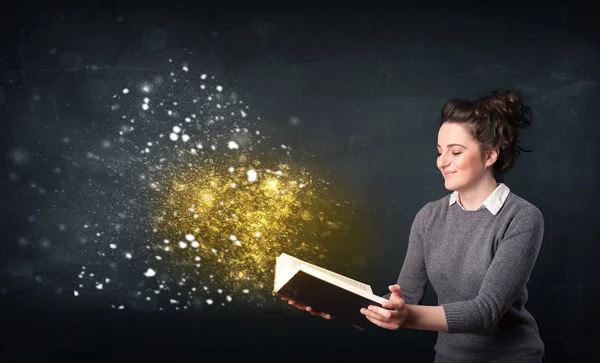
493 203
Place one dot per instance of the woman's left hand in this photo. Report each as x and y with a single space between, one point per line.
393 314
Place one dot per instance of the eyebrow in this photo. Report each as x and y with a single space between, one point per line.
451 145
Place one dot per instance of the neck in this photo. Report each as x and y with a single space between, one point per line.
472 197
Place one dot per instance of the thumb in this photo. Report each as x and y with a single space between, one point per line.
396 291
396 298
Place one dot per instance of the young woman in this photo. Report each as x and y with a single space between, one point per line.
476 246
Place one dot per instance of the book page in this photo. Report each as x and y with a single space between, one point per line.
323 275
286 266
346 279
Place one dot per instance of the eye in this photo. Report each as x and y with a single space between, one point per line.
456 153
438 154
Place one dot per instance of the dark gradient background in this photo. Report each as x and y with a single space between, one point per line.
355 89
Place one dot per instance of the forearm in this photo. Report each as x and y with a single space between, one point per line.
423 317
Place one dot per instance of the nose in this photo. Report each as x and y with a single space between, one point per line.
442 162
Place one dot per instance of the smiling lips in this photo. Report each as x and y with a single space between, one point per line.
448 174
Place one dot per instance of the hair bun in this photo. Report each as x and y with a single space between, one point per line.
504 105
508 114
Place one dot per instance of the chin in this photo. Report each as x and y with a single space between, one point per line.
453 187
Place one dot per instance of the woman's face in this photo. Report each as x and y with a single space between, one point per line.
459 157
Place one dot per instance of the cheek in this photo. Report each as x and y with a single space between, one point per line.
466 163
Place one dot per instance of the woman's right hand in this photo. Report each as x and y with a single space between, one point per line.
308 308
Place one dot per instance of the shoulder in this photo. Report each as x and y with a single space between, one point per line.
432 209
520 216
436 206
518 207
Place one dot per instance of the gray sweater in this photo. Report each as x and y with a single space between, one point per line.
478 264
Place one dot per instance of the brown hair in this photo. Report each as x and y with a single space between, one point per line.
494 121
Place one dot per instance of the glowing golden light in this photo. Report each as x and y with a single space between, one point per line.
232 222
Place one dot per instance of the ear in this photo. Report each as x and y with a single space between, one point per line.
491 157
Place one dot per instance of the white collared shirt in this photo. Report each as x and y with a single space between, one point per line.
493 203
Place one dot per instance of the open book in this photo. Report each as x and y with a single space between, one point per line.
324 290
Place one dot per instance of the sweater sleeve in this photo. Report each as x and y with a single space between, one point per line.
506 276
413 275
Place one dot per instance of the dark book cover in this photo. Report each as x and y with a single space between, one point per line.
323 296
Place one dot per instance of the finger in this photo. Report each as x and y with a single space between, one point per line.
394 304
323 315
382 324
377 312
319 313
295 304
312 311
